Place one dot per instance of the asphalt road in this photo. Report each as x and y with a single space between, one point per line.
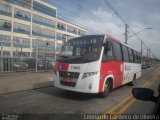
51 100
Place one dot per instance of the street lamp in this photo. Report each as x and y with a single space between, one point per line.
139 32
141 40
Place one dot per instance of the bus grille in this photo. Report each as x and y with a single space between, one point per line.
74 75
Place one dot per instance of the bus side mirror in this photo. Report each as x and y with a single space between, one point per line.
108 46
144 94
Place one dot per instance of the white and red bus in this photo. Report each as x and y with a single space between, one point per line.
96 64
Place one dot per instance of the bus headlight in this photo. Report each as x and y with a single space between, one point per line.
89 74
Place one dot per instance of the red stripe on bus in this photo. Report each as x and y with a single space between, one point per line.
63 66
113 68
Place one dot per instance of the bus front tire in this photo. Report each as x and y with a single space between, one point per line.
106 91
133 82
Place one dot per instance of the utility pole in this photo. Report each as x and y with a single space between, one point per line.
141 50
147 52
37 58
126 33
1 57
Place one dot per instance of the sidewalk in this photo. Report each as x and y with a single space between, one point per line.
24 81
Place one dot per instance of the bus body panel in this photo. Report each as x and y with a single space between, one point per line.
131 69
88 85
97 72
114 68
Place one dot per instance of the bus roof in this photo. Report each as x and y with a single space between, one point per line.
112 38
109 37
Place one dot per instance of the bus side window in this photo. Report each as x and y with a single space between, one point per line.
108 51
125 54
130 55
135 56
117 51
139 57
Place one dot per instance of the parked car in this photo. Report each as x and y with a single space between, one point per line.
144 66
42 64
148 65
45 64
146 94
19 66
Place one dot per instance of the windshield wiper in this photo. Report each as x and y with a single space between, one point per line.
82 57
64 56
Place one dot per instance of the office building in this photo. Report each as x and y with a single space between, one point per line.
28 27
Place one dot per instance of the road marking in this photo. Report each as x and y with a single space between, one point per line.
152 81
50 78
118 105
122 102
126 106
131 98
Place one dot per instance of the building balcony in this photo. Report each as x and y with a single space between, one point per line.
5 28
42 35
22 17
72 31
5 13
42 23
21 46
44 9
22 31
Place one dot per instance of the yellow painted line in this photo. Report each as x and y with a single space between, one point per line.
122 102
119 104
133 100
147 84
126 106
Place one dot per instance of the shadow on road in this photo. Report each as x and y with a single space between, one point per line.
65 94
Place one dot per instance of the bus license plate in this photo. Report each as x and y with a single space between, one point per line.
66 79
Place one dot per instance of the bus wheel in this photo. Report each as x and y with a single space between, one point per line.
133 82
106 91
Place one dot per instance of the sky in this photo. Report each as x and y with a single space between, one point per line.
98 18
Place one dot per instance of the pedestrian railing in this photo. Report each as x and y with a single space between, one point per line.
23 64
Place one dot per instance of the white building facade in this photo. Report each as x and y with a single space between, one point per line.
30 25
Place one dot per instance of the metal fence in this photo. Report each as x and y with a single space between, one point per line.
22 64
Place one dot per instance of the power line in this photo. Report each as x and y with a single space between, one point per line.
116 13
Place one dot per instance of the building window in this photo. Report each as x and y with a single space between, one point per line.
58 46
71 29
81 32
40 43
21 42
44 9
69 37
5 25
61 26
43 21
38 31
6 54
5 10
21 28
61 36
22 14
5 40
23 3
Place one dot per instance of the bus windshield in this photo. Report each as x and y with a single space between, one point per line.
82 49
